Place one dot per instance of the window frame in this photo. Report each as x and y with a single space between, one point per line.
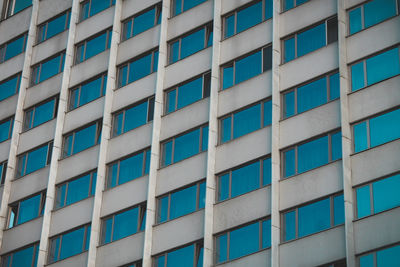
198 245
9 9
17 204
3 47
33 110
44 25
3 171
36 69
173 5
18 76
81 9
283 8
10 130
18 173
82 45
12 253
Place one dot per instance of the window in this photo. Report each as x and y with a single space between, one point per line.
246 17
190 43
129 168
312 154
40 113
378 196
243 240
304 42
188 92
312 218
141 22
375 69
184 146
26 210
48 68
76 189
371 13
181 202
340 263
34 160
244 179
123 224
377 130
88 91
137 68
311 95
92 7
245 121
246 67
22 257
9 86
380 258
53 26
191 255
289 4
93 46
13 47
135 264
179 6
69 244
130 118
14 6
3 171
82 139
6 127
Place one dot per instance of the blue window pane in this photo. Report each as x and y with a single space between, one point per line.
171 101
200 258
78 189
313 154
135 117
244 241
167 153
14 48
8 88
85 138
127 30
21 4
311 40
182 257
43 113
174 52
386 193
22 258
147 162
246 121
96 45
227 77
249 17
123 76
29 209
50 68
125 223
144 21
290 50
360 137
204 138
289 229
202 195
383 66
72 243
299 2
131 168
229 26
187 4
190 92
187 145
5 130
388 257
226 129
60 199
336 141
289 105
183 202
367 260
107 230
357 76
160 262
117 127
97 6
267 172
311 95
90 91
192 43
246 179
288 4
177 7
385 128
266 234
268 9
56 26
163 209
267 113
223 187
355 20
378 10
222 248
334 86
289 158
363 201
155 61
338 210
93 188
248 67
140 68
36 159
314 217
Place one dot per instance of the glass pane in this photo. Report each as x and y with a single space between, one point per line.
246 179
125 223
249 17
229 26
171 101
336 142
72 243
14 48
192 43
167 153
187 145
386 193
96 45
334 86
174 52
50 68
130 168
118 121
144 21
248 67
43 113
288 4
160 261
107 230
147 162
367 260
21 4
267 58
135 117
223 187
191 3
267 172
98 6
60 195
122 76
267 113
357 76
222 248
227 77
383 66
36 159
140 68
244 241
360 136
378 10
29 209
268 9
183 202
311 95
290 50
8 88
385 128
202 195
338 210
78 189
289 105
56 26
177 7
182 257
85 138
388 257
355 20
311 40
190 92
22 257
127 30
5 130
246 121
313 154
226 129
266 234
332 28
163 209
314 217
289 227
363 201
289 162
90 91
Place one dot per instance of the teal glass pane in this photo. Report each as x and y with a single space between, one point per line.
314 217
229 26
125 223
78 189
97 6
5 130
222 248
23 257
143 220
182 257
187 145
268 9
72 243
360 136
200 257
385 128
311 40
183 202
15 47
299 2
192 43
187 4
383 66
378 10
127 31
93 187
155 61
135 117
289 105
107 230
160 261
227 74
388 257
267 172
147 162
60 196
163 209
56 26
174 52
131 168
267 120
21 4
336 141
288 4
290 49
248 67
202 195
90 91
357 76
112 175
266 234
386 193
246 121
204 138
367 260
167 153
313 154
50 68
226 130
338 210
363 201
122 76
289 225
245 179
29 209
223 187
249 17
311 95
244 241
144 21
289 158
96 45
85 138
43 113
171 101
334 86
36 159
355 20
140 68
8 88
84 11
190 92
118 121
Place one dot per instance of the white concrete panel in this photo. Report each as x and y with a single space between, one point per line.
79 260
50 8
229 5
351 3
8 107
242 209
132 7
12 66
51 46
94 24
177 232
90 68
43 90
38 135
4 150
262 258
15 25
251 146
30 184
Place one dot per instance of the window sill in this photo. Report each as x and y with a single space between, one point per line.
107 189
15 226
236 34
117 87
183 108
181 59
368 86
362 30
170 220
298 174
69 156
70 110
51 38
35 127
372 215
309 53
25 175
56 209
241 257
219 144
80 20
370 148
217 202
169 165
131 130
114 241
316 233
174 16
220 90
57 261
133 36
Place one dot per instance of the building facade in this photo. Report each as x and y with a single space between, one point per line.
199 133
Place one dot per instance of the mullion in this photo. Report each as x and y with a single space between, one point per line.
169 206
112 228
371 192
297 223
331 212
66 193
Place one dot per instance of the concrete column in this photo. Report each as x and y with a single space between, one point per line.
18 119
275 154
346 135
105 135
155 139
208 255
